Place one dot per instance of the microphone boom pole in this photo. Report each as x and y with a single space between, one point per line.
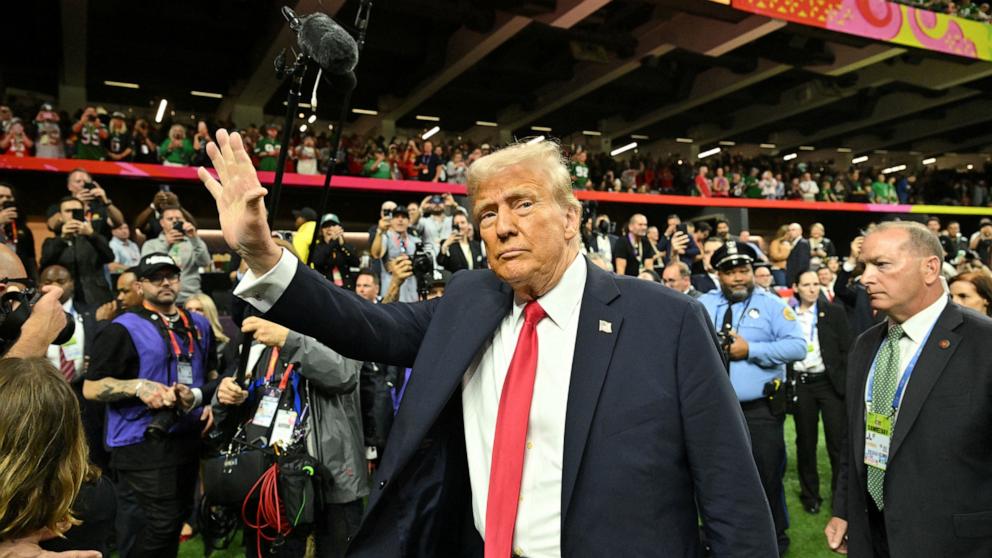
292 104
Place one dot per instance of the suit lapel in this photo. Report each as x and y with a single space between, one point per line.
594 343
941 344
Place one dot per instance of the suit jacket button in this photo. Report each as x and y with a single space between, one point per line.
382 484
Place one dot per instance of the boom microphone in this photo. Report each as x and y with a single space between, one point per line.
324 41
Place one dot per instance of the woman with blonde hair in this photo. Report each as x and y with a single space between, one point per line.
204 305
43 456
177 149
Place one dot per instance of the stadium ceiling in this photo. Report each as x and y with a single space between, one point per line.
660 69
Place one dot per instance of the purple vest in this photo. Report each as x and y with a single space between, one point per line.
127 421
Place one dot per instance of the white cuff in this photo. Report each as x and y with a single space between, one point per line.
263 292
848 266
197 398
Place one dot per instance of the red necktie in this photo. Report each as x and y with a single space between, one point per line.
511 435
68 367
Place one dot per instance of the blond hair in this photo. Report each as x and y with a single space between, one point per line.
43 452
543 156
210 311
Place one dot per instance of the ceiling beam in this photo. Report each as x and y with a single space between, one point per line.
938 147
954 118
851 59
571 12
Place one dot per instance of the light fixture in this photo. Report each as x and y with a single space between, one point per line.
206 94
843 150
428 118
431 132
124 84
303 128
369 112
619 150
896 168
536 139
486 123
301 115
767 146
683 140
806 148
970 166
312 119
790 157
540 128
330 126
301 105
591 133
929 160
709 152
728 143
859 160
161 111
638 137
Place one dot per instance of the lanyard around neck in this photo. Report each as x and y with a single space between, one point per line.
167 324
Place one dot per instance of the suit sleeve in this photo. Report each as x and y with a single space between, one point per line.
51 250
732 504
327 371
104 253
300 299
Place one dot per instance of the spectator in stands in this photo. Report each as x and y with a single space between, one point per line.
972 290
456 171
80 250
436 223
632 252
708 280
143 149
808 188
799 254
305 223
703 184
392 243
98 207
981 241
306 155
49 144
377 166
226 353
676 275
827 279
148 223
763 278
768 185
90 133
35 506
600 238
820 246
176 150
267 149
128 292
179 239
953 242
126 251
778 253
828 193
119 144
367 285
649 275
460 250
6 116
14 231
428 166
853 294
721 186
334 258
200 141
578 169
16 141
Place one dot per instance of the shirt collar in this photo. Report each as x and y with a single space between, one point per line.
69 307
917 326
563 298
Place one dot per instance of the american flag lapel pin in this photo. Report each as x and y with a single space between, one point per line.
605 326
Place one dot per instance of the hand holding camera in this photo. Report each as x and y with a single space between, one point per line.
9 213
401 268
384 222
680 242
176 233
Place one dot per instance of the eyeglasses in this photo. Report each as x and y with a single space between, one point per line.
160 279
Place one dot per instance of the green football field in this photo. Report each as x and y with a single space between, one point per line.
806 531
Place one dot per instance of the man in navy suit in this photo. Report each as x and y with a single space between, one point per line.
553 409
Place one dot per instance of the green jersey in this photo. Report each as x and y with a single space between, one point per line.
181 155
581 173
266 149
89 145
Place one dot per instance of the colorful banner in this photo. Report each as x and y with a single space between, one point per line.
883 21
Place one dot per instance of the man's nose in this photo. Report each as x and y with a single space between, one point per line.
505 223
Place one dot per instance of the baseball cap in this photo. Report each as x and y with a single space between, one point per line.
329 218
307 213
154 262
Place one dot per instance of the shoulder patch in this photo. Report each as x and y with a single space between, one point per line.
789 314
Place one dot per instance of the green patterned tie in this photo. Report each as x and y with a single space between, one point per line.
882 391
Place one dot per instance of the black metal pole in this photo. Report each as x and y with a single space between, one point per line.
292 104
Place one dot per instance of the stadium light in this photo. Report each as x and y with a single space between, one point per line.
859 160
843 150
625 148
428 118
540 128
709 152
929 161
431 132
728 143
207 94
767 146
486 123
303 128
638 137
896 168
683 140
790 157
161 111
368 112
312 119
124 84
591 133
806 148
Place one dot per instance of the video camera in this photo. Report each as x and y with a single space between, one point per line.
725 336
423 270
15 309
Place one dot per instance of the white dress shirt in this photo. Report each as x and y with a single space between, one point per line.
538 526
915 330
73 347
808 320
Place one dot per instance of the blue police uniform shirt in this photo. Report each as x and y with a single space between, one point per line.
773 335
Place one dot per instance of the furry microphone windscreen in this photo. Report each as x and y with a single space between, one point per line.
328 44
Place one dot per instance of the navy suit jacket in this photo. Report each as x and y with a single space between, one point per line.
654 436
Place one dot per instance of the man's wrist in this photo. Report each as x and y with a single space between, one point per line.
260 264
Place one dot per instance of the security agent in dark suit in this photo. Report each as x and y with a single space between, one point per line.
646 418
820 379
799 256
919 401
860 314
460 251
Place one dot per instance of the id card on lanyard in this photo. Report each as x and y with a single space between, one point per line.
879 426
184 361
269 403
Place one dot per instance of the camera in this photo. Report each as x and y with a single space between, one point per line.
437 200
607 227
78 214
423 270
177 226
387 213
91 118
9 204
725 336
89 185
162 421
15 309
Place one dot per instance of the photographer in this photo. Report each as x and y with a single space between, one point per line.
47 319
333 257
81 251
90 135
981 242
390 244
435 226
759 336
147 223
460 250
99 209
50 143
149 366
334 428
16 143
179 239
601 238
176 150
15 233
143 149
119 146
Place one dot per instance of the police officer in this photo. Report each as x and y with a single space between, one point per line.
150 367
760 336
